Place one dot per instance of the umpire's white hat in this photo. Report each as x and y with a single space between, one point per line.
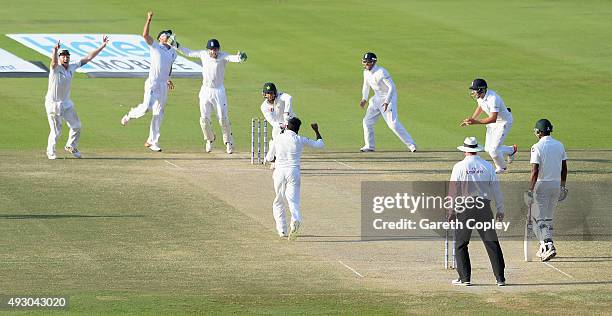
470 145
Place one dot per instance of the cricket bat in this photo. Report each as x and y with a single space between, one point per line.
528 235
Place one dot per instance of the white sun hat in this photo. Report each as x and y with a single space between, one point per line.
470 145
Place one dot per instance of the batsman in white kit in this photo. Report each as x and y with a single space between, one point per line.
288 148
58 104
163 55
383 103
276 109
212 94
498 122
548 176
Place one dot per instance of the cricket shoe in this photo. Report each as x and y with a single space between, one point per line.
366 149
282 235
293 233
501 170
512 156
152 147
500 283
209 146
124 120
458 282
51 156
550 252
74 151
541 250
412 147
229 148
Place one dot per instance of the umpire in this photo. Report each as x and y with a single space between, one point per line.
473 177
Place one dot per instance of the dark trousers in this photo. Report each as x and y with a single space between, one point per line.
489 238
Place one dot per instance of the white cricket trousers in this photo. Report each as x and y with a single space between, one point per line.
374 112
494 143
214 99
545 199
154 100
287 189
55 126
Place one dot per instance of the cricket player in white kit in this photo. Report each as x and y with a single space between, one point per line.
548 176
498 122
288 148
276 109
157 84
58 104
383 103
212 94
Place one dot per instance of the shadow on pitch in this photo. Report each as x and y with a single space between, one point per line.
60 216
549 284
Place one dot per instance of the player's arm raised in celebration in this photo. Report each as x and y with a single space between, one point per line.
95 52
189 53
145 31
54 60
238 58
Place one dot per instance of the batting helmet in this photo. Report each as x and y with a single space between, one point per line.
269 87
64 52
369 56
543 126
213 43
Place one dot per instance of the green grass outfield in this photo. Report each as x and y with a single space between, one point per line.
124 232
546 59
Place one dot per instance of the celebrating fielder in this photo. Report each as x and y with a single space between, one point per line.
383 103
276 109
548 176
288 148
212 94
498 123
58 104
157 84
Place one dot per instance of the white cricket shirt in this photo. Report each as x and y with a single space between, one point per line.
492 102
60 80
213 69
275 112
288 148
162 59
548 153
474 176
379 79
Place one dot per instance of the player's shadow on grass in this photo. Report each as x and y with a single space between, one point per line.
59 216
582 259
552 283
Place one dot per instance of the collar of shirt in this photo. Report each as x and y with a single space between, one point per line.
373 68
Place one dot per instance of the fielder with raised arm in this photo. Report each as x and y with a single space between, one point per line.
276 109
288 148
163 55
548 176
498 122
57 101
212 94
383 103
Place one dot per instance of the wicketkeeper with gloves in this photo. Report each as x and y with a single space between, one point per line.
548 176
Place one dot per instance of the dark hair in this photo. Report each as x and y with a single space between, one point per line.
294 124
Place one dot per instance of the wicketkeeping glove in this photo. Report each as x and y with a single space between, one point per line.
563 193
243 56
172 41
